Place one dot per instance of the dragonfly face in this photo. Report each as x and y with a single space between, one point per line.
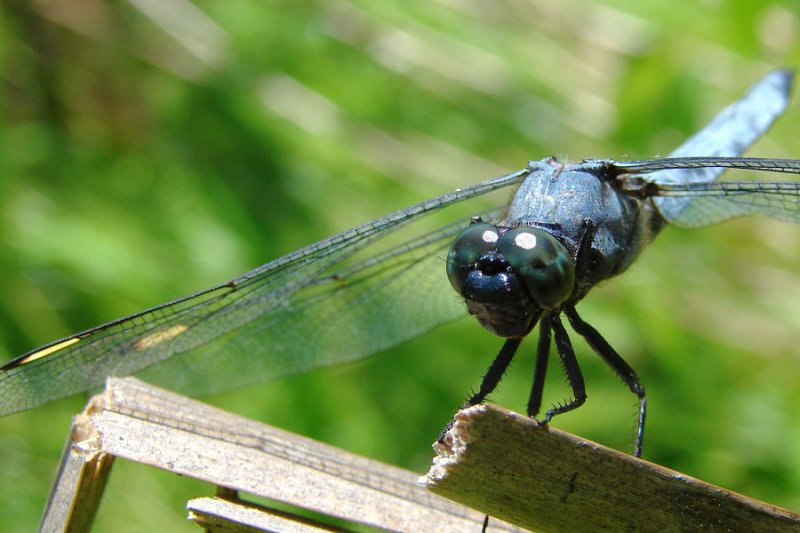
508 277
566 229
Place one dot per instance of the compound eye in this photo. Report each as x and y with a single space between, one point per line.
474 241
541 262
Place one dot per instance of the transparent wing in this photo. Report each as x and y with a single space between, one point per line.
730 133
720 200
715 201
308 309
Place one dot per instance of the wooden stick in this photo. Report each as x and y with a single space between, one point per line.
539 478
218 514
80 480
142 423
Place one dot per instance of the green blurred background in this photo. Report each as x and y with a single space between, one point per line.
153 148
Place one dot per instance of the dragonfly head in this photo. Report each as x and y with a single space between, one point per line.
509 276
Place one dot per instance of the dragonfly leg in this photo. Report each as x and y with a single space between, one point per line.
571 368
496 371
492 377
542 354
617 364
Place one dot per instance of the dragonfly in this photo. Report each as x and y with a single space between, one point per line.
567 228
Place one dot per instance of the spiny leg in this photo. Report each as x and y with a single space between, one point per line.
571 368
496 371
617 364
542 354
491 379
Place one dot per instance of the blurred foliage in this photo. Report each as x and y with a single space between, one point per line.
150 149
